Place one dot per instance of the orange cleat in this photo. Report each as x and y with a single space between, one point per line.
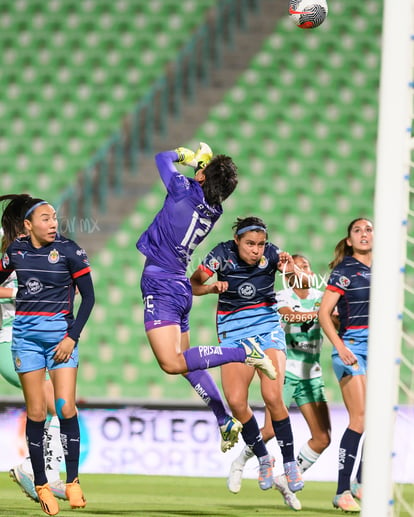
75 495
47 500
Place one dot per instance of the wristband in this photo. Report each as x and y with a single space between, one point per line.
14 292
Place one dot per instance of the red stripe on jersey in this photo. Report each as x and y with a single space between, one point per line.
82 272
335 289
357 327
264 304
33 313
206 270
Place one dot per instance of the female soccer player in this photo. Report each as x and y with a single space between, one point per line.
190 210
23 473
246 313
298 306
348 289
45 330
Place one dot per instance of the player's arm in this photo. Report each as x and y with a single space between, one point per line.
165 162
328 304
8 292
85 286
200 287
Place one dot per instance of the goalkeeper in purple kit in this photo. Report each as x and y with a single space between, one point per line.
191 208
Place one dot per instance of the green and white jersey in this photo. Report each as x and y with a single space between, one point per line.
303 340
7 311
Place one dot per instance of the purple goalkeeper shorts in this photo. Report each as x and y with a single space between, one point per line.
166 302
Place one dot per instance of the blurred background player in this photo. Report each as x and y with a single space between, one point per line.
348 290
46 332
245 267
191 208
298 306
53 452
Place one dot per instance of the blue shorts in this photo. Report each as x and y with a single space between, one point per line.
342 370
274 339
166 302
30 354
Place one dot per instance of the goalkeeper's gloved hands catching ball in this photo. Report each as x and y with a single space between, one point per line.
197 160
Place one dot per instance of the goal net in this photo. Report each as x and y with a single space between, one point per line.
388 468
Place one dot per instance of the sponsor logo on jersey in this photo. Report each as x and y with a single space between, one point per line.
33 285
213 264
344 281
22 253
247 290
263 262
53 256
80 252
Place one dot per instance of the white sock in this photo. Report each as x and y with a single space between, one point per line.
27 465
245 455
53 449
306 458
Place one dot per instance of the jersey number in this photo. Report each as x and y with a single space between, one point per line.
193 232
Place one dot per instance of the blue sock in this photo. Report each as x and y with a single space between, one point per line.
348 449
70 437
34 437
205 386
203 357
253 437
284 437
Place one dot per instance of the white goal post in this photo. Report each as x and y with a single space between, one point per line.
390 220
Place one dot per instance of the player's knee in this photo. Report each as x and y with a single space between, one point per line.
171 368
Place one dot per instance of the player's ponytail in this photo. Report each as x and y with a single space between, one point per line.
14 214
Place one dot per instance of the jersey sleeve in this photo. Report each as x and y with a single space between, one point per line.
177 184
338 282
78 261
283 299
213 262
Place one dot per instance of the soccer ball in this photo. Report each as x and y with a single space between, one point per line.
308 14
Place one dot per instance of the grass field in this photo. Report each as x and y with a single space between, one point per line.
160 496
156 496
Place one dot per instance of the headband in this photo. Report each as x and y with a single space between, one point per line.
249 228
32 208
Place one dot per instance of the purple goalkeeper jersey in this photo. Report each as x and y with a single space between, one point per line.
182 223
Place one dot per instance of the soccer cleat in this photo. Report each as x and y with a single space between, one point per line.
293 476
280 483
75 495
47 500
234 480
346 502
266 471
356 490
25 481
257 358
230 431
58 489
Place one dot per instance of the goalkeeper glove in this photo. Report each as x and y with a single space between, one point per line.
185 156
202 156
